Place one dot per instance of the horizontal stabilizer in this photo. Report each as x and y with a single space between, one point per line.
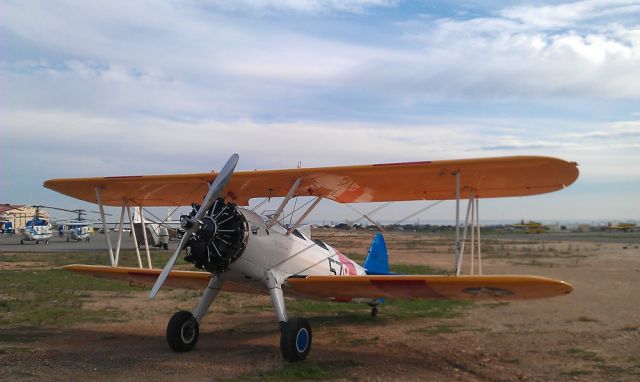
474 288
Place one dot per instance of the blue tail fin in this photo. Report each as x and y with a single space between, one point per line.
377 261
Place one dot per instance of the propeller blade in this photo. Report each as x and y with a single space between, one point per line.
169 265
219 183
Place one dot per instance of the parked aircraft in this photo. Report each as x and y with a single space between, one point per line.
239 250
77 229
37 229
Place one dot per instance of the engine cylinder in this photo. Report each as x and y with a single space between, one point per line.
221 237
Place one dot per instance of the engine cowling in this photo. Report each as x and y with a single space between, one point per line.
221 237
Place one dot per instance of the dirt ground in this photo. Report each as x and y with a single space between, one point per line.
590 334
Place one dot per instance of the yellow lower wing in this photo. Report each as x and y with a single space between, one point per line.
430 287
147 277
349 287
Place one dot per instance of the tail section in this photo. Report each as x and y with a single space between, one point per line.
377 261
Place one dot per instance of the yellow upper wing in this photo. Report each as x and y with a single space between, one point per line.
487 177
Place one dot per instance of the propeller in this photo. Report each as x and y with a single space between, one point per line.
192 224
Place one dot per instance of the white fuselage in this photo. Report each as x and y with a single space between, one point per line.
272 250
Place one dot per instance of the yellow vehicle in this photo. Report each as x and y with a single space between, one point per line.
531 227
624 227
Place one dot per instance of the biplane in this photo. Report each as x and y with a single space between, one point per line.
238 250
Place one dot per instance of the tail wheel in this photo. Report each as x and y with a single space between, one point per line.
295 340
182 332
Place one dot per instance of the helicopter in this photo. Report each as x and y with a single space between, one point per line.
79 228
36 229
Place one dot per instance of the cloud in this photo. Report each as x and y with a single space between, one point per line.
139 87
302 6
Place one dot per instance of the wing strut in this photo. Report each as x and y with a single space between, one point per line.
292 191
472 223
304 215
104 226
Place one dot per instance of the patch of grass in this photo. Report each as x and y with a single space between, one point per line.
411 269
127 258
403 309
610 369
16 350
52 296
585 355
577 372
494 305
23 334
440 329
323 370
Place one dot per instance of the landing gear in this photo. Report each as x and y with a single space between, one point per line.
295 340
67 240
184 327
165 246
182 332
374 311
21 241
37 242
295 333
46 242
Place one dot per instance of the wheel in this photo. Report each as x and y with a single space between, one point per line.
46 242
374 311
67 240
182 332
165 246
295 340
79 240
21 241
37 242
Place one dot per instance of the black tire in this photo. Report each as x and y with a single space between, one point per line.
67 240
182 332
295 339
46 242
374 312
21 241
37 242
165 246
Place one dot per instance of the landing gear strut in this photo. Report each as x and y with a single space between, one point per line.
295 332
184 327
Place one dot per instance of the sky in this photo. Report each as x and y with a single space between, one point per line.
147 87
